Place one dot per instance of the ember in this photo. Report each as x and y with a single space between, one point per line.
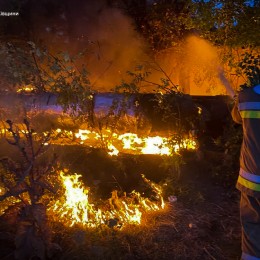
27 89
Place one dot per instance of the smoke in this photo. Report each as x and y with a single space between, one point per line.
202 59
113 46
118 48
200 54
193 66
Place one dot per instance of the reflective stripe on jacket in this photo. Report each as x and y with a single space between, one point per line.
247 112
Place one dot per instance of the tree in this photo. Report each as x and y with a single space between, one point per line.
232 26
60 74
28 181
166 23
227 22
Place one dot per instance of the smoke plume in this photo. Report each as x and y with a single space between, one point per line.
193 66
113 46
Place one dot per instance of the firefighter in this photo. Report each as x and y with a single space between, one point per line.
246 111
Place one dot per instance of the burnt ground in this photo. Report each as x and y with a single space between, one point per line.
202 224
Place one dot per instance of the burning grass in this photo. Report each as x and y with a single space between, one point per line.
193 227
180 231
131 225
76 208
116 143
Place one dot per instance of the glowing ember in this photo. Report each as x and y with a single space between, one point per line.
74 207
199 110
26 89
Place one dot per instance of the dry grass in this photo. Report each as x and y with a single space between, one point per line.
199 230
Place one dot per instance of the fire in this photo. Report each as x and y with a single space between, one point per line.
112 150
156 145
129 139
132 143
76 202
74 207
115 143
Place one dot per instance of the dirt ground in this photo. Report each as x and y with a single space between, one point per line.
213 213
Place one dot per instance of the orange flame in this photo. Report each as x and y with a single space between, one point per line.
75 208
116 143
131 142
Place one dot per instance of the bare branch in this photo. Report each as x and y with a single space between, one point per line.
15 191
17 138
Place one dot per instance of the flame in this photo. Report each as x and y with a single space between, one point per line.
76 202
129 139
115 143
74 208
131 142
156 145
112 150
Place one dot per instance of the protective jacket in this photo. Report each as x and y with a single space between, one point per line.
247 112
